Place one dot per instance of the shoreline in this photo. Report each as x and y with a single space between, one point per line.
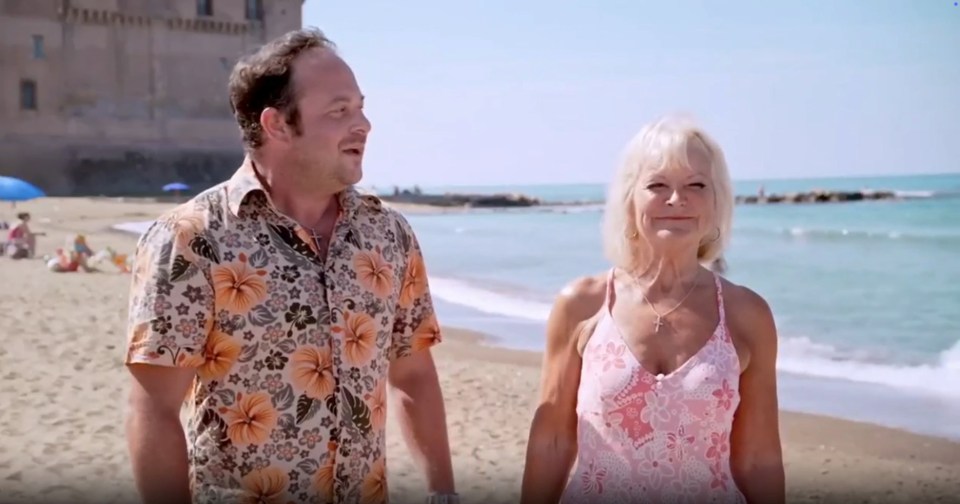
483 347
846 400
916 410
826 458
61 360
492 347
840 398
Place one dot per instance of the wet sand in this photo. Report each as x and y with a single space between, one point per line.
61 402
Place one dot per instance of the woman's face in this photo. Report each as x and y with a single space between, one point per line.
675 204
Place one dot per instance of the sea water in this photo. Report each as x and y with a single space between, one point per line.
866 295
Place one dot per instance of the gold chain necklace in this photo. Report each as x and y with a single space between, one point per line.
659 322
314 234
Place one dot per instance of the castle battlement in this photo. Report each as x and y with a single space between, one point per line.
87 85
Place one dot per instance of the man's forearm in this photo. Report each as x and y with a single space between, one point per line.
422 420
158 454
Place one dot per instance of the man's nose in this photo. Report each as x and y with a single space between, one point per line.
363 123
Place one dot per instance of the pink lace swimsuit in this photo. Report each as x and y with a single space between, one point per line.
655 438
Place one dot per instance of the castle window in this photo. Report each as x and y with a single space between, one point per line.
28 94
204 7
255 10
38 52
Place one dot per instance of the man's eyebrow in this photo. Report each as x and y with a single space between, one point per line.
345 99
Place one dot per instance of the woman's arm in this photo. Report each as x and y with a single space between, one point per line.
552 444
756 454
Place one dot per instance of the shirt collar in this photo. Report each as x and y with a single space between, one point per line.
245 182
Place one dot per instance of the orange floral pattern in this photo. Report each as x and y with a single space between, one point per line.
219 356
359 338
374 488
291 349
374 272
238 286
414 282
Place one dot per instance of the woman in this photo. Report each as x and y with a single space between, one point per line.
659 375
21 241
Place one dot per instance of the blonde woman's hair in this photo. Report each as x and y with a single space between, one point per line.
664 142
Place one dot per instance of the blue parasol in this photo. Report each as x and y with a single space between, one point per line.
14 189
176 186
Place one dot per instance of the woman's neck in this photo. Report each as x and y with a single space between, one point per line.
667 274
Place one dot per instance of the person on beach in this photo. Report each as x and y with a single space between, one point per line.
283 304
21 240
659 379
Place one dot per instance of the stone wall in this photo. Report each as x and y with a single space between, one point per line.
130 94
116 170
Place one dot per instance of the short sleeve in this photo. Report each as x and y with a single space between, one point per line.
415 327
171 300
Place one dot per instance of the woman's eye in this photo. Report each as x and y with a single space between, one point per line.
698 185
655 185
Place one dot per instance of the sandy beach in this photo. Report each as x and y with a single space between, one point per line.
62 398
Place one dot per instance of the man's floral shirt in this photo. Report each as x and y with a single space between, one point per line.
291 350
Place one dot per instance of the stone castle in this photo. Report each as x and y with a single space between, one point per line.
119 97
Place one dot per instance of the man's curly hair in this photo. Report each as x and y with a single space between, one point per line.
265 79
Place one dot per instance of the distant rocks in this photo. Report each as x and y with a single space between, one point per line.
517 200
505 200
818 196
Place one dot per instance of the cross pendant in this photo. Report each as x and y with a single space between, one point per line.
657 324
317 239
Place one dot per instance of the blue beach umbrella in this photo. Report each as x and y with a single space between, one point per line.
14 189
176 186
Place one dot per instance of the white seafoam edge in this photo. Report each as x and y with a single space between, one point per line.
798 355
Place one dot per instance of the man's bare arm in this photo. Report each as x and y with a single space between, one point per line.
161 357
418 404
155 437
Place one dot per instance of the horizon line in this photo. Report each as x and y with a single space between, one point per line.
750 179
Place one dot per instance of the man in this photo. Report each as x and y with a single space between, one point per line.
283 304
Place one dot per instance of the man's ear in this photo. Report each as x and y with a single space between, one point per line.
275 125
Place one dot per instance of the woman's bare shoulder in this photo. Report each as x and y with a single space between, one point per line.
749 313
576 303
582 297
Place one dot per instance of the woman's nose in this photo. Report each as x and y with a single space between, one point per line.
675 198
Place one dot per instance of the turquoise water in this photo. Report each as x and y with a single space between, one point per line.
865 294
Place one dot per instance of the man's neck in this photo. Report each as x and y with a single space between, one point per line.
309 210
307 206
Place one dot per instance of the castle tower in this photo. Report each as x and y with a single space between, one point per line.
122 96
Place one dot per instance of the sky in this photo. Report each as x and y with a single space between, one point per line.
472 92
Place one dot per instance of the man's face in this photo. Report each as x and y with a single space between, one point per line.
333 129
